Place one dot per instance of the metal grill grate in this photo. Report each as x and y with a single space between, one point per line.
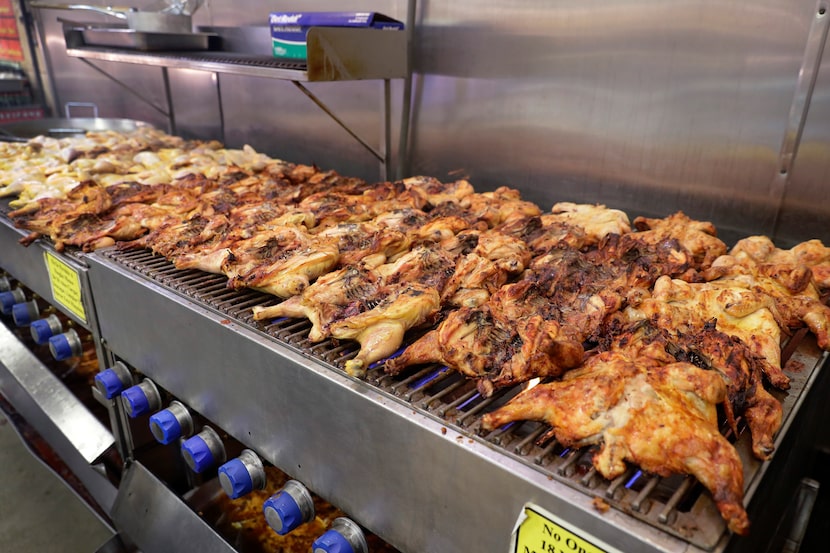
676 505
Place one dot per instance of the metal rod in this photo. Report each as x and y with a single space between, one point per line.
386 131
171 115
406 103
221 107
337 120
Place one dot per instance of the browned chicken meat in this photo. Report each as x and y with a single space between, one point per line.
736 311
697 237
380 330
493 349
645 408
812 254
781 276
595 221
357 301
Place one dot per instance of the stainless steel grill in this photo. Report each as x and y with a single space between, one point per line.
677 505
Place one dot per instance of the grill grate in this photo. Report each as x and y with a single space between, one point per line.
670 504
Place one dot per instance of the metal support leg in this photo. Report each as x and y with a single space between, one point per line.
406 103
386 131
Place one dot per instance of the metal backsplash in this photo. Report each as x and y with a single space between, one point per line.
649 106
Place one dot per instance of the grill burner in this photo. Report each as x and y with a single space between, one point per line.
677 505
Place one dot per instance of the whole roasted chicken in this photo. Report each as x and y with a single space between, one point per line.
642 406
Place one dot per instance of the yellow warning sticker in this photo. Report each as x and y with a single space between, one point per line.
66 285
538 531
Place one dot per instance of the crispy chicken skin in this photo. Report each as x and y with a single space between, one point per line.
736 311
380 330
493 349
697 237
782 275
643 408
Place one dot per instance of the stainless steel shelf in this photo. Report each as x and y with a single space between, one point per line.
334 54
203 61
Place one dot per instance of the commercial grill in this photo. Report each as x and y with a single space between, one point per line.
480 479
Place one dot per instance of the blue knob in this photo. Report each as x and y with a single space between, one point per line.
23 313
282 513
165 426
197 453
235 478
141 398
109 383
203 450
10 299
332 541
43 329
62 347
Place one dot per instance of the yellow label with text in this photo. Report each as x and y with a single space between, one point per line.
66 285
537 533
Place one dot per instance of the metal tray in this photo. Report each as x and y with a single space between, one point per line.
116 37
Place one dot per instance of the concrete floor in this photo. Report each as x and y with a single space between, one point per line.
38 512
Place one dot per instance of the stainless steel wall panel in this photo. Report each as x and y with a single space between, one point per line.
646 106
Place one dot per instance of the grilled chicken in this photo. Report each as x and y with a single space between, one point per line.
811 254
380 330
697 237
346 295
492 348
366 243
334 296
282 261
736 311
741 370
645 408
755 264
595 221
491 259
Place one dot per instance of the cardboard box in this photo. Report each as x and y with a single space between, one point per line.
289 29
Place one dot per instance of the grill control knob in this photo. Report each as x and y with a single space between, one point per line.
203 450
114 380
66 345
168 425
141 398
344 536
9 299
242 475
43 329
289 508
24 313
5 284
